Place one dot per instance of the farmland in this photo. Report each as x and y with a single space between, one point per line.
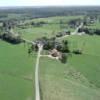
50 29
77 79
16 72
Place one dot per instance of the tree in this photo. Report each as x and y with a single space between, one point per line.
65 48
77 51
63 58
11 38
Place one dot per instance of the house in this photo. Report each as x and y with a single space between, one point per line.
55 53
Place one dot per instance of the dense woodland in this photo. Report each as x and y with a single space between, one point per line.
39 12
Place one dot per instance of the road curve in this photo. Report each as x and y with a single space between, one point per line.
72 33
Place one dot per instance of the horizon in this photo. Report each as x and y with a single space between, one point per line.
43 6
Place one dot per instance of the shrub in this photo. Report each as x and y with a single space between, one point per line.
63 58
77 52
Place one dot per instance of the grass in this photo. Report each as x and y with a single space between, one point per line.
47 30
79 78
88 62
15 88
56 19
95 25
16 72
37 32
57 85
89 44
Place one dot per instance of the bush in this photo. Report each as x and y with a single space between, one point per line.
65 48
63 58
90 31
77 52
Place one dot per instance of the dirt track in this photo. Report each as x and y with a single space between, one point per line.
37 89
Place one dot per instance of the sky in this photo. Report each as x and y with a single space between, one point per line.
48 2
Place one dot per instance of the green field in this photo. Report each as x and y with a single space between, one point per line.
95 25
47 30
79 78
16 72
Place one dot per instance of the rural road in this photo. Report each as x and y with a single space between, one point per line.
72 33
76 30
37 88
28 41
